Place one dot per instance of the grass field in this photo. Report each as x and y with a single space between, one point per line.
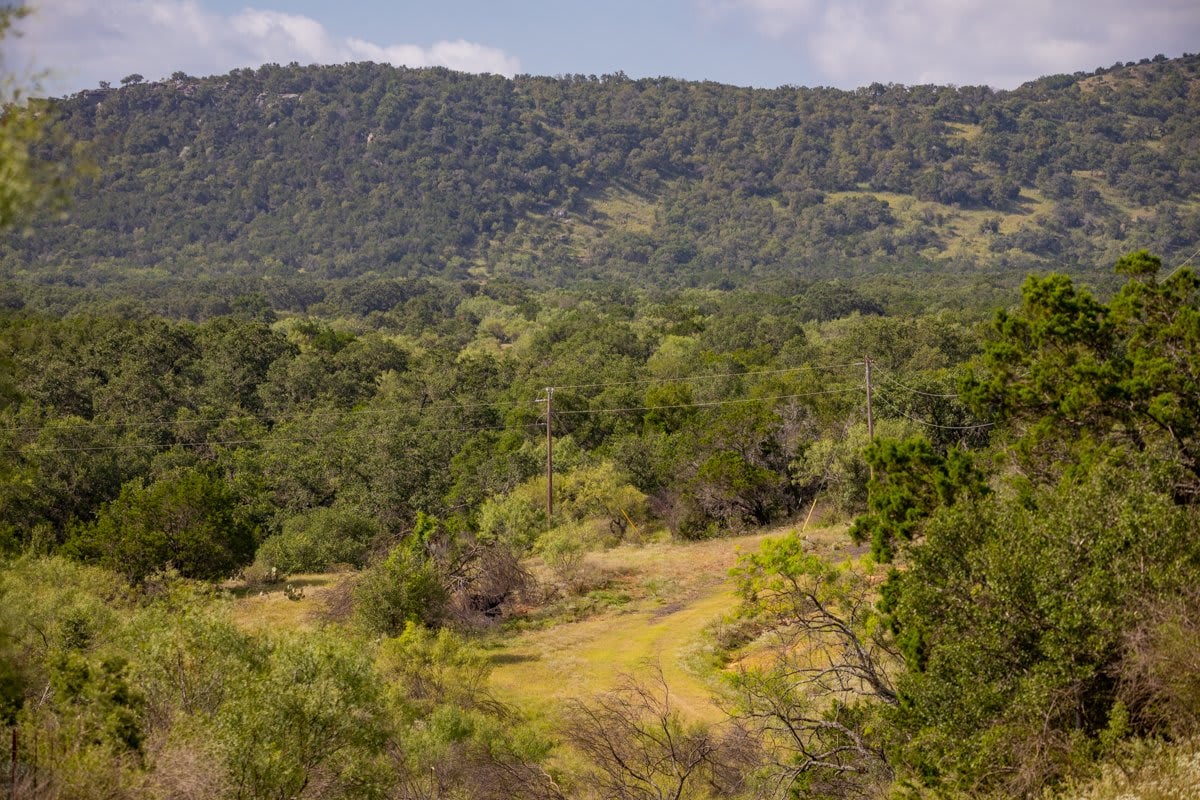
671 593
269 608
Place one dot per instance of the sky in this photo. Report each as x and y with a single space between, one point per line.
69 45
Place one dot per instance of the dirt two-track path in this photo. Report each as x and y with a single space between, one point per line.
676 593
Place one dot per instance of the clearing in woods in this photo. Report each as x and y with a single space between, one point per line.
653 612
667 595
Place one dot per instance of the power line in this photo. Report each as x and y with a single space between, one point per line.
440 406
550 456
322 437
706 404
1181 265
420 411
318 438
262 440
895 382
928 424
282 419
709 376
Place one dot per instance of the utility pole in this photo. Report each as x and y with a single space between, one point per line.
870 418
550 456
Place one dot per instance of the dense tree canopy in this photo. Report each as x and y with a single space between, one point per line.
434 174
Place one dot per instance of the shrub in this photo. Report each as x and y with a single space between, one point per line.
187 520
407 586
310 715
317 540
1160 665
563 549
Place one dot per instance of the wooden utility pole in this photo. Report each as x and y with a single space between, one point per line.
870 418
550 456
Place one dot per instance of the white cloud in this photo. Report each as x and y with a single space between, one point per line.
856 42
85 41
459 54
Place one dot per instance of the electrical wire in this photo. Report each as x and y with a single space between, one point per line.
440 406
275 421
425 410
1185 261
709 376
711 403
895 382
928 424
259 441
322 437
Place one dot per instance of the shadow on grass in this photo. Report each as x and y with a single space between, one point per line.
513 658
240 590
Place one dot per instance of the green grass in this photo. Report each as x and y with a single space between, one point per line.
675 591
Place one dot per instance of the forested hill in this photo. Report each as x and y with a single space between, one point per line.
279 180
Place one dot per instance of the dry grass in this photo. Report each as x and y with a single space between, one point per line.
270 608
619 208
960 228
655 607
898 202
964 131
1155 771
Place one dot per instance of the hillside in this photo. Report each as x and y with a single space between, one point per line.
284 182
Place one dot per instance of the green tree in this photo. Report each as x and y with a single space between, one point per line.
833 469
1125 373
1012 615
599 491
911 481
317 539
516 519
236 357
188 521
736 491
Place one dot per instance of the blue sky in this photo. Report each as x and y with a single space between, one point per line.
846 43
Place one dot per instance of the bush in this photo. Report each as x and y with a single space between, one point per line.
187 520
310 715
563 549
1160 665
317 540
515 519
407 586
